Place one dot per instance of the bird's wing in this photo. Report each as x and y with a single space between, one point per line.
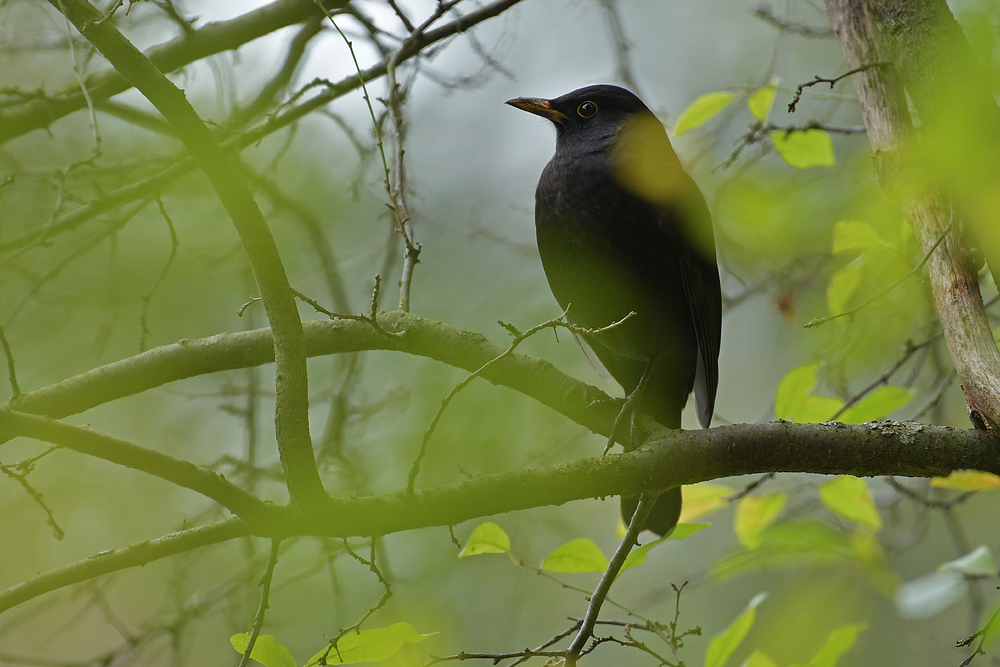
704 294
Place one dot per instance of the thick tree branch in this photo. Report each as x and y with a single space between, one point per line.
414 335
669 458
954 283
167 57
291 391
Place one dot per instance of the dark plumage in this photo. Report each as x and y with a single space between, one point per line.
621 227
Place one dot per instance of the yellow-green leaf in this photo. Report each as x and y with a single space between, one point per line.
702 110
680 532
754 514
487 538
794 402
726 642
967 480
759 102
702 499
369 645
855 236
266 650
843 284
805 148
759 659
838 643
878 404
793 389
580 555
847 496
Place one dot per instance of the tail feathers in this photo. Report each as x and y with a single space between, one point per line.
663 517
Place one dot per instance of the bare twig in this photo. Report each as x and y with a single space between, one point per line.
586 631
766 14
174 244
519 338
386 594
265 585
832 82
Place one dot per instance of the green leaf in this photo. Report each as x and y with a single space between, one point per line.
580 555
843 284
787 544
978 562
967 480
804 149
754 514
726 642
701 110
702 499
487 538
370 645
681 531
759 102
838 643
759 659
794 402
793 389
266 650
855 236
847 496
878 404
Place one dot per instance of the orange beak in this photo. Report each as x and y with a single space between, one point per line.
539 107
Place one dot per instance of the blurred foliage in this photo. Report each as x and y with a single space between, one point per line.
802 236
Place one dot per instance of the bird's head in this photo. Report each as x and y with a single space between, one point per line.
595 113
611 120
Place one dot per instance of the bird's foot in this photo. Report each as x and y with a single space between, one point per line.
628 408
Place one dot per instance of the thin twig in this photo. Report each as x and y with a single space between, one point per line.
749 487
519 337
386 594
174 244
397 192
265 585
575 649
832 82
766 14
936 396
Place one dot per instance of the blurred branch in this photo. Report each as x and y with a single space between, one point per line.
291 392
766 14
15 388
116 560
101 446
622 45
277 121
270 90
167 57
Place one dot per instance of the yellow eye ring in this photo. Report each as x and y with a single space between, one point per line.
586 109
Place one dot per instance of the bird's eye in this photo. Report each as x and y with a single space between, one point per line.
587 109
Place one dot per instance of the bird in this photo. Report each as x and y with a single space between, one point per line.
621 227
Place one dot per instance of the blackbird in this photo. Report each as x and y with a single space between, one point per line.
622 227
